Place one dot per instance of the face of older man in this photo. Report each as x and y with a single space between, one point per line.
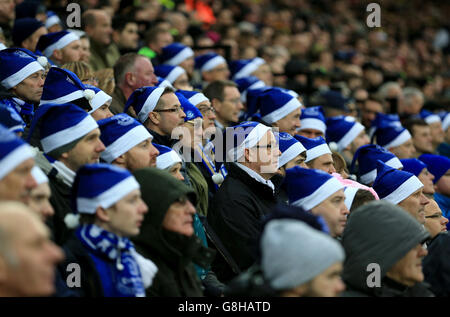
414 204
18 183
408 270
435 222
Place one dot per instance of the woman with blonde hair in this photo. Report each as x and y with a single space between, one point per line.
83 71
105 79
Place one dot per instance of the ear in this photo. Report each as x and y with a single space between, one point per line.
115 36
102 214
216 104
247 155
64 155
120 160
57 54
130 79
154 117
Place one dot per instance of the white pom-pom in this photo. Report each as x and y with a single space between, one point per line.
43 61
89 94
352 177
333 146
217 178
72 220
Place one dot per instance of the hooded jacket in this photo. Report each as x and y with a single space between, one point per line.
381 233
235 214
174 254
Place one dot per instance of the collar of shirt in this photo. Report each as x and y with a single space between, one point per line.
67 174
256 176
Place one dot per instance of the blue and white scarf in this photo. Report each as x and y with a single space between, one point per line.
115 261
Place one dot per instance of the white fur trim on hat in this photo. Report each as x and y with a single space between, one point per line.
399 140
180 57
213 63
350 136
409 187
249 68
99 100
198 98
126 142
61 43
320 194
150 104
65 99
282 112
295 149
312 123
174 74
107 198
168 159
372 175
38 175
432 119
250 141
350 193
14 159
21 75
68 135
317 151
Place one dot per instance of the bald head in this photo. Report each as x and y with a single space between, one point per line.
97 25
27 256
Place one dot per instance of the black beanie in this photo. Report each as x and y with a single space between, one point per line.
23 28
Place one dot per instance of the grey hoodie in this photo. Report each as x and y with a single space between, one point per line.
383 233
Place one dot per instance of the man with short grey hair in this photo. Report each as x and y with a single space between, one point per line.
413 101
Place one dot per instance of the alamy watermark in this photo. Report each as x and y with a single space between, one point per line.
74 18
374 18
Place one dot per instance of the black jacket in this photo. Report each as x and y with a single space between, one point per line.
436 265
174 254
235 214
379 233
75 252
162 139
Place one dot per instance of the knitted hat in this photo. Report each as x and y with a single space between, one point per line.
437 165
314 147
245 67
248 83
175 53
144 100
189 109
343 131
167 157
38 175
383 120
194 97
23 28
61 124
208 61
392 136
313 118
50 42
52 19
16 64
119 134
413 165
429 117
289 253
10 119
394 185
289 148
307 188
100 185
245 136
275 104
13 151
367 156
169 73
63 86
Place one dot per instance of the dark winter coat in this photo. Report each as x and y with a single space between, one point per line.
380 233
235 214
436 265
174 254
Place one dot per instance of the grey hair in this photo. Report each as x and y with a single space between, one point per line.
384 89
410 92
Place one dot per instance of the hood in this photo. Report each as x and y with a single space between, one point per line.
378 232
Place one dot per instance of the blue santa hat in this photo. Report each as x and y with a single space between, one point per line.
437 165
99 185
38 175
50 42
168 72
208 61
175 53
307 188
429 117
10 119
342 131
119 134
63 86
163 83
245 67
290 147
189 109
413 165
274 104
167 157
194 97
16 64
13 151
384 120
314 147
144 100
313 118
394 185
245 136
391 136
248 83
61 124
52 19
367 156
